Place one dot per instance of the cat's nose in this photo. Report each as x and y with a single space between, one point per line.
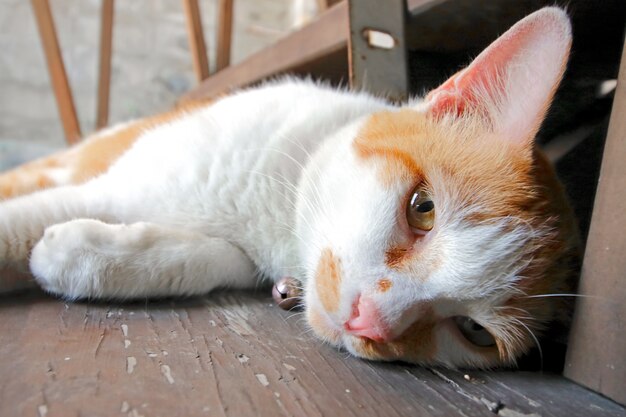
367 321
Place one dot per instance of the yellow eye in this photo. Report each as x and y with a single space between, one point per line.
420 211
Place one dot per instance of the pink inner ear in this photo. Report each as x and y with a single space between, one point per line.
449 97
459 92
513 80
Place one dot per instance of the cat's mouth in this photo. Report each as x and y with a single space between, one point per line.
415 343
351 332
329 331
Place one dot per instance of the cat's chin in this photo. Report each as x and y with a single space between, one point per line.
358 346
362 347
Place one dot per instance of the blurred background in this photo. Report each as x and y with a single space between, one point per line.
151 61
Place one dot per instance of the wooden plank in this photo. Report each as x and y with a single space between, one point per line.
325 35
58 77
299 52
377 48
104 77
224 33
195 35
597 353
325 4
429 30
528 394
234 354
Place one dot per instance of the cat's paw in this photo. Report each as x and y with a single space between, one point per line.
65 261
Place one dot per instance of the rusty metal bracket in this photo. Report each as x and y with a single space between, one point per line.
377 47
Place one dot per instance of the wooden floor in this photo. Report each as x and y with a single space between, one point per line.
234 354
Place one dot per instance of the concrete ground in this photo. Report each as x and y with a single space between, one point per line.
151 64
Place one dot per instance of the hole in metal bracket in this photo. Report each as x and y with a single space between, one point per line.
378 39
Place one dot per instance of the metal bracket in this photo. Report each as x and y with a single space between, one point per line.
377 49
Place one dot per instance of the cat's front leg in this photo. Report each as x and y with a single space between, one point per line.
91 259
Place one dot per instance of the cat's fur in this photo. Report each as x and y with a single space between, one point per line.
302 180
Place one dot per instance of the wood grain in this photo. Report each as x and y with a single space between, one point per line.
325 4
234 354
453 31
195 35
58 77
597 353
104 73
224 33
323 37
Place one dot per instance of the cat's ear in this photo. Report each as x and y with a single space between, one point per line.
512 82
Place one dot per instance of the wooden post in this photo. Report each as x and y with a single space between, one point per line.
377 47
324 37
196 39
325 4
104 81
596 356
58 77
224 33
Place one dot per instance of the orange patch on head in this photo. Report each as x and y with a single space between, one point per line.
376 139
395 256
328 280
408 147
384 284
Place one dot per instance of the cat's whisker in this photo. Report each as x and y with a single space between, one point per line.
302 167
296 314
288 186
299 165
313 167
310 333
526 315
291 188
567 295
534 337
324 202
300 267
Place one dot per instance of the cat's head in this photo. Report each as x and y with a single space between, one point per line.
435 228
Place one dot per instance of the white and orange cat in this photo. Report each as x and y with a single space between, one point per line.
429 232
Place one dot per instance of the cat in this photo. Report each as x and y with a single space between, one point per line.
431 232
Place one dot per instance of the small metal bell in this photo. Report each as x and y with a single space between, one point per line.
286 293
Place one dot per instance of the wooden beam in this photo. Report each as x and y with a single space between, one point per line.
377 47
325 35
326 4
195 35
58 77
104 75
224 33
597 350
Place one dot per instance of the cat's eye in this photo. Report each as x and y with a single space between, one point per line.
420 211
474 332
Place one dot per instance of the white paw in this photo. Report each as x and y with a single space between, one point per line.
64 260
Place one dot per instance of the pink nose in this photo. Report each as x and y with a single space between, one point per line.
366 321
